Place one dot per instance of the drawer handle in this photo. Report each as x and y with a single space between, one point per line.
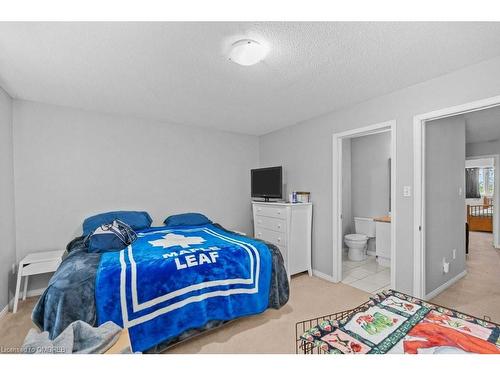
259 234
279 212
259 221
279 226
279 239
259 209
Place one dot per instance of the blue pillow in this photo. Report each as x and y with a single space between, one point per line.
188 219
137 220
110 237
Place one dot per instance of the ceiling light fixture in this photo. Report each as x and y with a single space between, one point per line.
247 52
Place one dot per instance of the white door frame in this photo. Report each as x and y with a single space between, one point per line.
496 194
419 181
389 126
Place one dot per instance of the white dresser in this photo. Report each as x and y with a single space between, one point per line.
288 226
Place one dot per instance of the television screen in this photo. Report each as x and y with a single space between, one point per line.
267 182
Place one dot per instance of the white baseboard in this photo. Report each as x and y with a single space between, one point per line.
29 293
445 286
35 292
323 276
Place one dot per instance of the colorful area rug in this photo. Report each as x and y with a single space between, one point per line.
393 322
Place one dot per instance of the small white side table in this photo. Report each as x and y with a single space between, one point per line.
34 264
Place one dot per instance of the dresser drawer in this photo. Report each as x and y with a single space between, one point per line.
275 238
42 267
269 211
271 223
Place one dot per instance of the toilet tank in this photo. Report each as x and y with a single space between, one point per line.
364 225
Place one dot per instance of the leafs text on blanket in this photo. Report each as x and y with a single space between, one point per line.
196 260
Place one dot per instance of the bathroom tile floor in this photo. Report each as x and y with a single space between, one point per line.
366 275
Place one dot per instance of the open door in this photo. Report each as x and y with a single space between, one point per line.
444 242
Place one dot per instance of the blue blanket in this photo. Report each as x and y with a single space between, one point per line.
70 295
174 279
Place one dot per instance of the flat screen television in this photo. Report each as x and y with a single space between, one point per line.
267 183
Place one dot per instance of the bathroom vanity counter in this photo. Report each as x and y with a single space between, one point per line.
383 240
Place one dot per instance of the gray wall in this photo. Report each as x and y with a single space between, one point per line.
305 150
370 175
7 227
365 182
445 199
347 221
70 164
482 148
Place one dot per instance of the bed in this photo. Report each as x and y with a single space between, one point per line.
170 284
480 217
396 323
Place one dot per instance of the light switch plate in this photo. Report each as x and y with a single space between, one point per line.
406 191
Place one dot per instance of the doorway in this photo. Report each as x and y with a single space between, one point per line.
344 257
448 266
482 195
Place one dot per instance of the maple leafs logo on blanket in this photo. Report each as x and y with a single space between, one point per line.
171 239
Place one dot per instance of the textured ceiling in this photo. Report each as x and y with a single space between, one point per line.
178 72
482 126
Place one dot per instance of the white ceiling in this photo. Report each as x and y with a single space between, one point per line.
482 126
178 72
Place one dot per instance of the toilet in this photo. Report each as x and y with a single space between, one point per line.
357 242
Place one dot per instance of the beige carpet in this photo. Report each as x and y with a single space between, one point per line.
14 327
478 293
274 330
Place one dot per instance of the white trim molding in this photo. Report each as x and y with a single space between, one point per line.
419 182
323 276
29 293
35 292
445 286
337 243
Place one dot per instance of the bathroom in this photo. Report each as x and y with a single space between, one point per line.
366 211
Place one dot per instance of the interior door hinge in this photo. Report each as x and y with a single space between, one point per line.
420 228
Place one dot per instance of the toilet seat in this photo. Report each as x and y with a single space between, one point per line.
356 237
